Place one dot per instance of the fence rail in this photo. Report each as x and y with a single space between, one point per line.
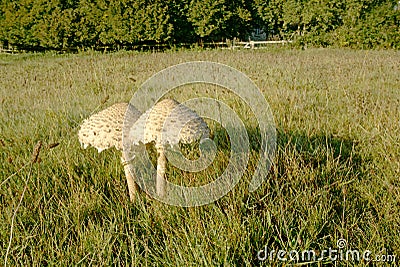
258 44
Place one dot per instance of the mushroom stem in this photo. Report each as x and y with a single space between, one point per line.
132 186
161 166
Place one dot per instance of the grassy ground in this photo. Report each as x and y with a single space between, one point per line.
336 172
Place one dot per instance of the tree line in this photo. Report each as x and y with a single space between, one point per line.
65 24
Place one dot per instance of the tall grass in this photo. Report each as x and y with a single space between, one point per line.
336 171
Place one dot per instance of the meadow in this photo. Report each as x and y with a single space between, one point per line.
335 175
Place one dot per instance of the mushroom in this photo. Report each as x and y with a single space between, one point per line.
166 123
104 130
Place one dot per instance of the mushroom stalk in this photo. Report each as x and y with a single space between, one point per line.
161 167
132 186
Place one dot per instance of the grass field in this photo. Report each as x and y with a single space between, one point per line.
336 172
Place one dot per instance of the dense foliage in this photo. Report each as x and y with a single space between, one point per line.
62 24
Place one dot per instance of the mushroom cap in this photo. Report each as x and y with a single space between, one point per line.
103 130
168 122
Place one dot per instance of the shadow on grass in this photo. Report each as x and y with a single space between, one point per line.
310 194
308 201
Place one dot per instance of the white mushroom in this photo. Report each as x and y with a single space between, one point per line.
167 123
103 130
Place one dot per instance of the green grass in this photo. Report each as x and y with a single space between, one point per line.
336 172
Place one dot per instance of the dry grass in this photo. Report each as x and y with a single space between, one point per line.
336 173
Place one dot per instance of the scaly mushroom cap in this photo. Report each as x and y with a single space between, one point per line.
168 122
103 130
